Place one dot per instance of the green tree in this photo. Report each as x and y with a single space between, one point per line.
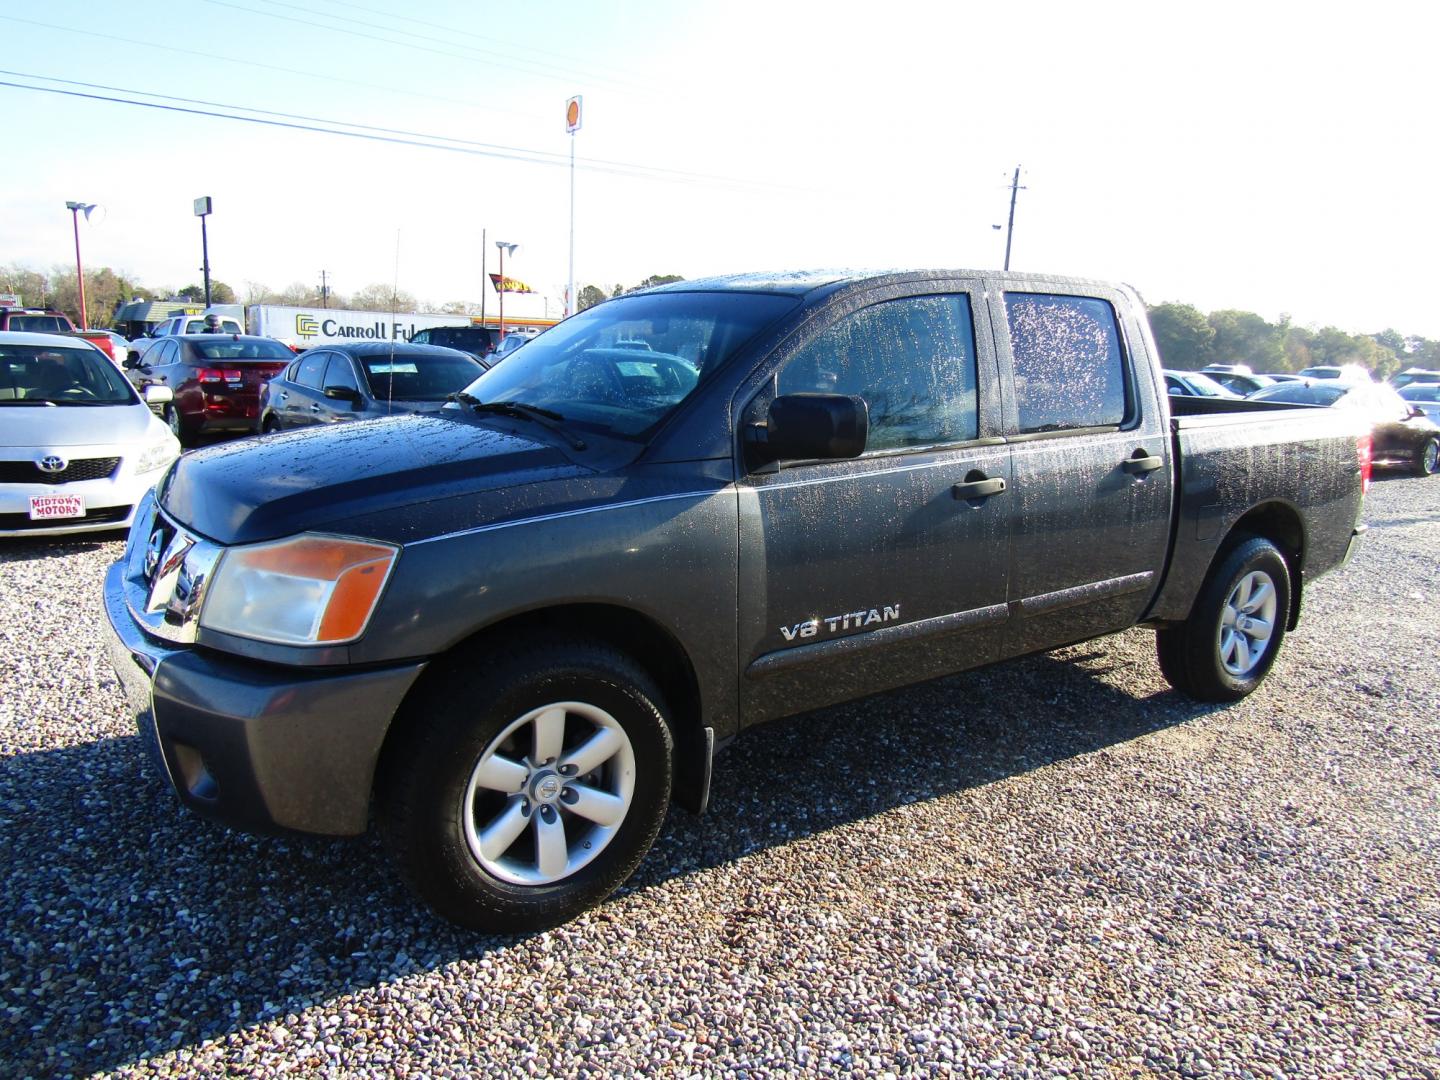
1242 337
32 286
380 297
659 279
1182 335
220 293
589 297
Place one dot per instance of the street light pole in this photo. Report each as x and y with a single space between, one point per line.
1010 227
504 247
75 208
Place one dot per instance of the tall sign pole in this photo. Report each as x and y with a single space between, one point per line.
484 281
572 125
75 208
504 247
202 211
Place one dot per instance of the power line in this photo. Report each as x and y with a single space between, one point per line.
193 53
468 56
534 157
568 70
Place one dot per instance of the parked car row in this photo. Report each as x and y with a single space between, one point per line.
1405 423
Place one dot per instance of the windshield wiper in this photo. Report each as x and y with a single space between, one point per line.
546 418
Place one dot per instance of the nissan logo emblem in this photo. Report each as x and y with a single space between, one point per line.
52 464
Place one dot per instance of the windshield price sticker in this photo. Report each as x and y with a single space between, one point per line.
48 507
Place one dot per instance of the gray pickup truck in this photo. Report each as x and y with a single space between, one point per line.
517 629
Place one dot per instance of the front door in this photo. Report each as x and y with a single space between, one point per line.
865 574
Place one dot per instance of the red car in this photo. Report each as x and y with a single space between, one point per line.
215 379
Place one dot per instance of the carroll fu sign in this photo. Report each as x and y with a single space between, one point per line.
307 327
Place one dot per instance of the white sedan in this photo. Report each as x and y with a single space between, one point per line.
78 445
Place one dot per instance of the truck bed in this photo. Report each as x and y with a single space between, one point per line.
1291 466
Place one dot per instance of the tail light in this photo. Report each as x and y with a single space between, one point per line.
1363 452
215 375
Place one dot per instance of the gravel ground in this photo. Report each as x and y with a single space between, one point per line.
1053 867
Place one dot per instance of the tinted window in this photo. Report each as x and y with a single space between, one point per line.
167 353
406 376
37 324
913 361
1069 369
1300 394
312 367
63 376
223 348
621 367
339 373
1421 392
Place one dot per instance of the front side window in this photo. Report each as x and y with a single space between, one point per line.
1068 365
339 373
312 368
912 360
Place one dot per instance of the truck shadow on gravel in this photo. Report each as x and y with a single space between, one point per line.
132 927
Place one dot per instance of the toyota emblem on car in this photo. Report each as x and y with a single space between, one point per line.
52 463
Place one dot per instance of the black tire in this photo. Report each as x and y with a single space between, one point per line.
177 426
458 719
270 426
1428 459
1198 658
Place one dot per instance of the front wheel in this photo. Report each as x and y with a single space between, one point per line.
1428 459
526 788
177 428
1227 646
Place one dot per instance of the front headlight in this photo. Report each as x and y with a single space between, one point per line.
158 455
309 590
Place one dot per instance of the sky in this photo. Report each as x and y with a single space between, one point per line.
1276 158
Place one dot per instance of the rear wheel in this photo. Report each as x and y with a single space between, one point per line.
1227 646
1428 459
526 788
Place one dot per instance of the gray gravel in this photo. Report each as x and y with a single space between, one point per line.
1053 867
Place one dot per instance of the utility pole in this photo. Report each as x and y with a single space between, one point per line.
1010 228
484 281
324 289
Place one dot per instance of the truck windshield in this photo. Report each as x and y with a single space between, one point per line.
621 367
39 375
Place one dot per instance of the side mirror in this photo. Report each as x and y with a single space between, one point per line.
806 427
1415 411
343 393
132 359
155 394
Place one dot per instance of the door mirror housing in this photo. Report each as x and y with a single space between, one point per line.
155 394
132 359
809 427
343 393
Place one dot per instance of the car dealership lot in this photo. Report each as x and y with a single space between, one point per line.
1053 864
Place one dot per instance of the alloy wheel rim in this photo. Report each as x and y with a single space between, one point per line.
1432 454
1247 623
549 793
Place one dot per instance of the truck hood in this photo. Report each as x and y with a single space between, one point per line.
324 479
54 427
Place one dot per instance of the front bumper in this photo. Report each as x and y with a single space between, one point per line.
257 746
109 504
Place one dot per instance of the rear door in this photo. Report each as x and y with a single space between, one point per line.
1091 459
863 574
340 373
303 397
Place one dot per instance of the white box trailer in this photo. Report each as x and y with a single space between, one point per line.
306 327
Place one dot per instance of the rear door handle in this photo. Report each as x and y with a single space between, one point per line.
315 408
979 489
1138 465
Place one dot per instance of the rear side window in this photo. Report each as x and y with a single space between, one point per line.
912 360
1069 368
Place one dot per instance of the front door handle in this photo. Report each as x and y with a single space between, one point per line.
1139 465
315 408
979 489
